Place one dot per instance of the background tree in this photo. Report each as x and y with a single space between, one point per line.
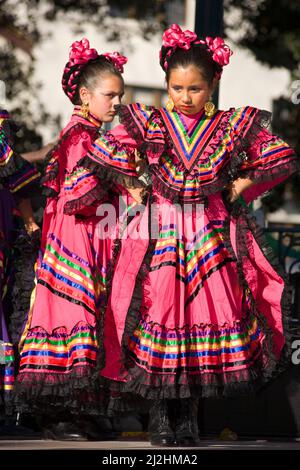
270 29
21 31
18 33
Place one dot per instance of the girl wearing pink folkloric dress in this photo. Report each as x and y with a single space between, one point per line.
59 344
197 308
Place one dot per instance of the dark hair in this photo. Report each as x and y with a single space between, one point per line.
76 76
197 55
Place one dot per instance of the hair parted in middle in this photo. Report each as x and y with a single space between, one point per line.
182 48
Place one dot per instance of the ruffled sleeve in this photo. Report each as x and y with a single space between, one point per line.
109 166
112 156
50 180
266 159
63 175
23 181
84 192
16 174
112 159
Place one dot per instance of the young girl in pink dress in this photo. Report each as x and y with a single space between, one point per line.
59 344
197 308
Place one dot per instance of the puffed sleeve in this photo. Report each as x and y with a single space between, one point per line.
16 174
266 159
109 166
112 156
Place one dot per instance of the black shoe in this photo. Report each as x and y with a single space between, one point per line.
65 431
186 427
160 430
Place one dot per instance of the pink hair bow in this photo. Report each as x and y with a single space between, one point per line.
175 37
80 52
220 51
117 59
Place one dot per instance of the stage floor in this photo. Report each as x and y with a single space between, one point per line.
143 444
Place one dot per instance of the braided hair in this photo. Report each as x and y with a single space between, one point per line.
76 76
84 67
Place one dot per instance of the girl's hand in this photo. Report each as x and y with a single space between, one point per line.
236 188
31 227
137 194
232 193
140 164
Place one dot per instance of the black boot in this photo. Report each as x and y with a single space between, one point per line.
63 427
186 427
159 427
65 431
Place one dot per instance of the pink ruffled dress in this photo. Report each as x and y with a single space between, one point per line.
198 308
59 344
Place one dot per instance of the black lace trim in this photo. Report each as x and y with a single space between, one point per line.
265 175
246 222
145 148
48 392
184 385
25 251
51 175
45 393
140 294
92 197
229 173
111 174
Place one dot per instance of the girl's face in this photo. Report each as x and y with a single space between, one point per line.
107 93
188 90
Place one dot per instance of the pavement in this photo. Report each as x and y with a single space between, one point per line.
143 444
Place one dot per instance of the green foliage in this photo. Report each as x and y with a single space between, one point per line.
21 28
270 29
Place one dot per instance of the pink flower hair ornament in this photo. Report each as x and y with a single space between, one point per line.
174 37
81 53
117 59
219 50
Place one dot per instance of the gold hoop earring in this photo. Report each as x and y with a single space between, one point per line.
169 104
85 110
209 109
